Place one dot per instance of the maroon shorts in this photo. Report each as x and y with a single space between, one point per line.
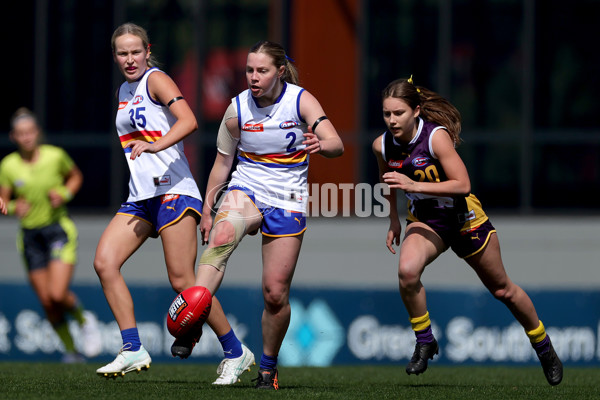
472 241
455 228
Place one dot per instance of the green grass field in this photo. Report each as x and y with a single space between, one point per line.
193 381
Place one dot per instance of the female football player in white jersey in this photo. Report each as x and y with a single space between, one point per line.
268 126
152 120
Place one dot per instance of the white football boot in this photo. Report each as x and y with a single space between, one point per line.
230 369
91 339
125 362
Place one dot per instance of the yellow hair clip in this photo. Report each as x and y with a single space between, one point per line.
410 80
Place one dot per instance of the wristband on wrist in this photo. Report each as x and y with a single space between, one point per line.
11 206
64 193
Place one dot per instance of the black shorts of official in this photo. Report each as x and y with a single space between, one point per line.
39 246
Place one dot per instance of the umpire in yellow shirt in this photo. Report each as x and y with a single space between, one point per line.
36 182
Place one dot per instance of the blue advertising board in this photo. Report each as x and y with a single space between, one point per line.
328 326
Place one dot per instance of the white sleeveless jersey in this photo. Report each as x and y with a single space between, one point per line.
140 117
272 161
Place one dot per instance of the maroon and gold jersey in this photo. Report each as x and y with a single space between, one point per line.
415 159
418 161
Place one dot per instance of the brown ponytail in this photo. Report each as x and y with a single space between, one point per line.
434 108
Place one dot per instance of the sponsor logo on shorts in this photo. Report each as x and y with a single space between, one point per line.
138 99
58 244
162 180
253 127
178 305
169 197
470 216
56 249
288 124
420 161
395 164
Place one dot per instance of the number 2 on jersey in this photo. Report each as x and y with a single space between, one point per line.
292 135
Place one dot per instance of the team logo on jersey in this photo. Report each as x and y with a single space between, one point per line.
169 197
162 180
122 105
288 124
296 196
253 128
395 163
138 99
420 161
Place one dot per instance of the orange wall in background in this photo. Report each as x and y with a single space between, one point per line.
324 45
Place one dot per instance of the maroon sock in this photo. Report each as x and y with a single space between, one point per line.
425 335
543 346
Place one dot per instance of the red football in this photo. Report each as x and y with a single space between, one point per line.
189 310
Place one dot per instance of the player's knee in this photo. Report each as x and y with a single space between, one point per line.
182 278
503 294
408 276
103 266
99 265
227 232
275 298
179 284
224 233
181 274
56 297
